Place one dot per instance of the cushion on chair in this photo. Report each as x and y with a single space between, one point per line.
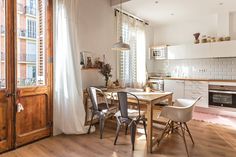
133 114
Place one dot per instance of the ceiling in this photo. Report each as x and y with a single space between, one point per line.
161 12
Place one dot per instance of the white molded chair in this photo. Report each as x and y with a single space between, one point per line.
179 114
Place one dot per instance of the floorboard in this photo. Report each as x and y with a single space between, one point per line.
210 141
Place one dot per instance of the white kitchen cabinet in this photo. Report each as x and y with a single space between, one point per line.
195 89
203 50
189 90
177 52
223 49
175 86
198 51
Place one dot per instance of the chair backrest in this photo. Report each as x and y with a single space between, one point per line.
93 96
123 103
188 107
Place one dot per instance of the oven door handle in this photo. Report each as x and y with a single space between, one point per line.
222 92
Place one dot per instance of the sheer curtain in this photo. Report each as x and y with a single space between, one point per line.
132 63
69 112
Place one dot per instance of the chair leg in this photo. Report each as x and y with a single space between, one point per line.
172 126
133 133
91 122
144 126
126 129
164 131
189 132
117 132
101 124
183 135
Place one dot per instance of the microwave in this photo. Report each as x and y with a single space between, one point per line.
159 52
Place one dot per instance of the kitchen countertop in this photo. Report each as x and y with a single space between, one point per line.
192 79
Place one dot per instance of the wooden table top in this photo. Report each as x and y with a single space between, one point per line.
142 96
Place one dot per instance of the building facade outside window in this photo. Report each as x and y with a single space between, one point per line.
31 28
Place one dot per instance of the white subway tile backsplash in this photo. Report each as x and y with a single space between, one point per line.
220 68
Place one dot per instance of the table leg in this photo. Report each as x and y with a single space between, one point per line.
149 127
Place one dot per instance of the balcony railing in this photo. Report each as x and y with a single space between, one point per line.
29 10
22 57
2 83
3 29
26 34
26 81
20 8
22 33
27 57
2 56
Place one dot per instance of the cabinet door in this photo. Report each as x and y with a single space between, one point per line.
175 86
197 51
176 52
195 89
223 49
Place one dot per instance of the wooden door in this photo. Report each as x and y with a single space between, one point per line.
34 71
7 78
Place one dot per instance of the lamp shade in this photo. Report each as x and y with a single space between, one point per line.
120 46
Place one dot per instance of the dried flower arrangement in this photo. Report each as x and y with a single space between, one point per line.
106 72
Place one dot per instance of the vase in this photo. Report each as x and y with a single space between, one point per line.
108 83
196 36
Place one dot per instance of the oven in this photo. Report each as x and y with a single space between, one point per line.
224 96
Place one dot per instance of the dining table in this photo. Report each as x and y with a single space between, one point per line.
150 99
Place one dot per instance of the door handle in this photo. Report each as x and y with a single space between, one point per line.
8 94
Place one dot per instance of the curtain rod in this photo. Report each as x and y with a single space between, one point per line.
116 10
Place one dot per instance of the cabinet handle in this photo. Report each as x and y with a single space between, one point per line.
179 81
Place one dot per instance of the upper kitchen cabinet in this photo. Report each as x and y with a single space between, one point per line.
198 51
223 49
206 50
177 52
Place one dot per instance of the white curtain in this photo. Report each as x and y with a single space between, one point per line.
69 112
132 63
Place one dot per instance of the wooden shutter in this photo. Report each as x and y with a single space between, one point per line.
41 43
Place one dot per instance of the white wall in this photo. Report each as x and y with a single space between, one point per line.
181 33
221 24
97 35
232 25
149 43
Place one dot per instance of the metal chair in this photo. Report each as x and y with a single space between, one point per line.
100 109
128 117
178 116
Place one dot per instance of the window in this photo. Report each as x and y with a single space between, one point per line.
132 63
30 75
2 45
31 28
31 7
31 49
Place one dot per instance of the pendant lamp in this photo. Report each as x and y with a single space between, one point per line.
120 45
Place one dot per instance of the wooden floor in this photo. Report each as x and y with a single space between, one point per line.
210 141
